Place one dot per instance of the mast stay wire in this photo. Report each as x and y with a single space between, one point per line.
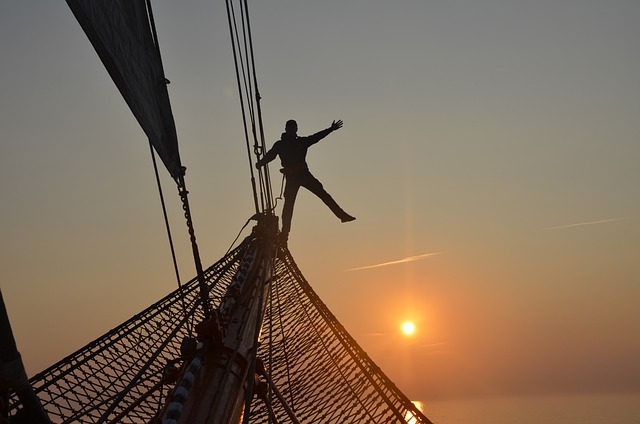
250 91
166 223
259 148
246 80
182 190
234 41
244 61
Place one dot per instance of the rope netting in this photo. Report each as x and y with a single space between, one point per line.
106 377
321 372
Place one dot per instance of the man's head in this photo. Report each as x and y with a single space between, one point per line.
291 127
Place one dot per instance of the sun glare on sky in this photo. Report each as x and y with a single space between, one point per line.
408 328
409 416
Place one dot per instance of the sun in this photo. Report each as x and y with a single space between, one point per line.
408 328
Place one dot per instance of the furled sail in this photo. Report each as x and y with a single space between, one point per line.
121 33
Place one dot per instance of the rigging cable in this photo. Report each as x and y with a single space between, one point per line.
240 232
242 107
275 202
246 76
259 148
282 329
182 187
166 223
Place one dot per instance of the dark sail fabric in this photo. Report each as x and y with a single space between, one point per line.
120 32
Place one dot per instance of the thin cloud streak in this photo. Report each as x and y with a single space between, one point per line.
401 261
580 224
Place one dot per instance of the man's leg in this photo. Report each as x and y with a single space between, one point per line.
290 192
313 185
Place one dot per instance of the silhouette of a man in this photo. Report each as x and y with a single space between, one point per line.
292 150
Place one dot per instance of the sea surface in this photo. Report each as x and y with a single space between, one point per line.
563 409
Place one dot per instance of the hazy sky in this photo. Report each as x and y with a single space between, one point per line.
490 152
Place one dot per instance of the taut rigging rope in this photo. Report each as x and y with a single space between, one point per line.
182 188
166 223
247 83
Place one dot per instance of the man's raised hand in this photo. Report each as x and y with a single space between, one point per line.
336 125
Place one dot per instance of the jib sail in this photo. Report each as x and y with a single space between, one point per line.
121 33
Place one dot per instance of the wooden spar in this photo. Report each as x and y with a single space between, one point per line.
214 384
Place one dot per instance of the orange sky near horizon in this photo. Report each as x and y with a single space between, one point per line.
489 152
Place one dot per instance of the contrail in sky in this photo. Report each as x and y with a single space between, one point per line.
401 261
579 224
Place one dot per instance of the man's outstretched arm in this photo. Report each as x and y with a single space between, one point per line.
335 125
